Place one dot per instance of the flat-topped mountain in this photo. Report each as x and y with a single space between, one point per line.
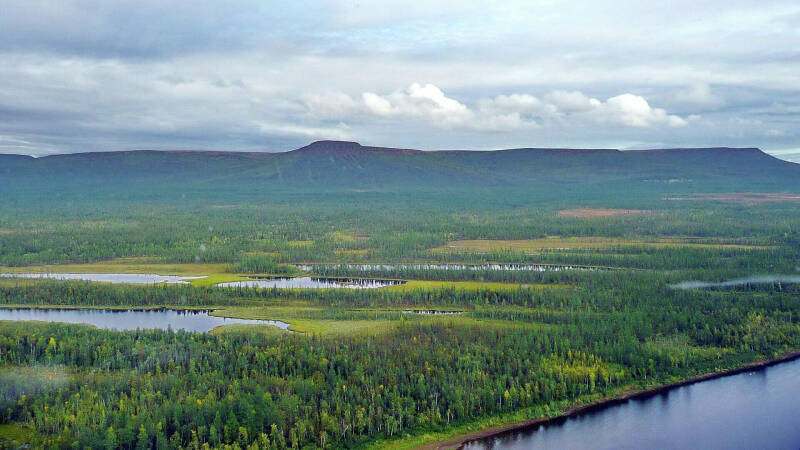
326 166
349 148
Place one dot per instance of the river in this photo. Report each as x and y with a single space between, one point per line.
750 410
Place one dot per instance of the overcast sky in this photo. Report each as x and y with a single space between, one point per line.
94 75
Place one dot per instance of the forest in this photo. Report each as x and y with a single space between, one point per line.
550 308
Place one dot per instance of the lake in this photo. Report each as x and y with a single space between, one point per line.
749 410
313 283
189 320
132 278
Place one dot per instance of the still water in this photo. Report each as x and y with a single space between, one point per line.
752 410
133 278
189 320
313 283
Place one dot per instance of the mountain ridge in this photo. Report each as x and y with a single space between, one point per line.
351 147
324 166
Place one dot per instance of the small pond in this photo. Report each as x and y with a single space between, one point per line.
132 278
189 320
313 283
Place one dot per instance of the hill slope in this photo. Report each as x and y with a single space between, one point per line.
329 166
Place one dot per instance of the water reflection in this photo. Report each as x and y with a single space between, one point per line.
133 278
313 283
749 410
189 320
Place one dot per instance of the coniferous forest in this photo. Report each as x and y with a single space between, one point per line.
558 295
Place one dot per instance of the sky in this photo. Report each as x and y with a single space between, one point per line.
93 75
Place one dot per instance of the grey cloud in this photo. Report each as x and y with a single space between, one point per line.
81 75
136 29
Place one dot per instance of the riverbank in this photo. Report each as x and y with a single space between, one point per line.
457 442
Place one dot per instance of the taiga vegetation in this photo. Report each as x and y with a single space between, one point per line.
359 368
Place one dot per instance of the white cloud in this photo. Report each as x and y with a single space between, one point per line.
377 104
513 102
424 102
572 101
634 111
428 102
517 111
626 109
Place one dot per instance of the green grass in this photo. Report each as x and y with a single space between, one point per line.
301 243
112 307
13 435
244 328
296 315
214 273
216 278
125 265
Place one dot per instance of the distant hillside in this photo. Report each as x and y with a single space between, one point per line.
329 166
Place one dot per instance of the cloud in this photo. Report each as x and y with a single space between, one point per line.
517 111
378 105
773 132
634 111
428 102
699 96
90 75
338 132
572 101
331 105
625 109
420 101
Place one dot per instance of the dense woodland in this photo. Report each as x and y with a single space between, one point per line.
540 342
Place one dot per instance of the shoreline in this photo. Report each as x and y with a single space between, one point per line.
117 307
458 442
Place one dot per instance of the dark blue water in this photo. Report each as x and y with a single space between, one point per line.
199 321
753 410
